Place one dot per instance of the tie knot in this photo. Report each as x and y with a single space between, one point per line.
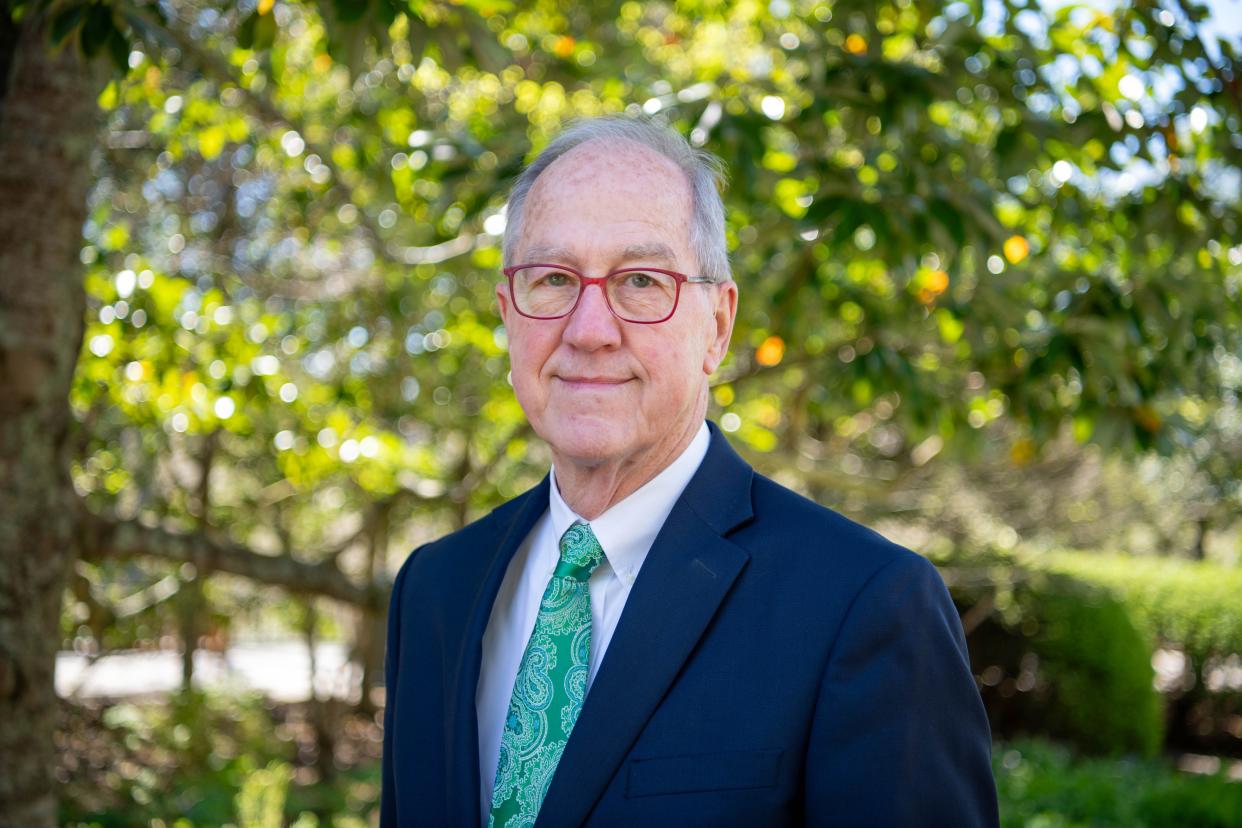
580 553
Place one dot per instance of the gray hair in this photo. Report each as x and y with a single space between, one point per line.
704 171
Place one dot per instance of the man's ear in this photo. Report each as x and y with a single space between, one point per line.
502 300
724 312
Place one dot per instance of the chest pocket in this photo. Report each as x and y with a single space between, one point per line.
703 772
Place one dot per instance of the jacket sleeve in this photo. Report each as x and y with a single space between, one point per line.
392 651
899 736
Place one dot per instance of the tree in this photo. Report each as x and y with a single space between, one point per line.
47 119
953 230
48 126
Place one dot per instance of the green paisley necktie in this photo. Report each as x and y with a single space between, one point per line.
551 682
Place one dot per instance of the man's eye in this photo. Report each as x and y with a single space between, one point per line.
556 279
641 280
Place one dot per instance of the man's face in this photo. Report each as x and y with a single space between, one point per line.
598 389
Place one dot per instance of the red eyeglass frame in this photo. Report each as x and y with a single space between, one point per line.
585 281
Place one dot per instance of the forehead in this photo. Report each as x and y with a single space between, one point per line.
614 195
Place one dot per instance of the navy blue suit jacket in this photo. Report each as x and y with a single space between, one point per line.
775 664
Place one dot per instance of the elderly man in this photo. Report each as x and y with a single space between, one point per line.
655 634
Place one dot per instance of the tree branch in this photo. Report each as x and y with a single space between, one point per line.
105 537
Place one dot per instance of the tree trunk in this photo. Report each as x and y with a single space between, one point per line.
1198 549
191 608
48 127
322 710
371 628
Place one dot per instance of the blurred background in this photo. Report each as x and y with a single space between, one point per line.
989 261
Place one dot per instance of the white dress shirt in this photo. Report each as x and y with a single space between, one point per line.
626 532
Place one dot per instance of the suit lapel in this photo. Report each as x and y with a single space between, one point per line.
686 575
463 724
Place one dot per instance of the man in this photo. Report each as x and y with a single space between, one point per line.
655 634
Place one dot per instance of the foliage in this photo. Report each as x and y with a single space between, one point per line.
261 800
952 229
291 265
1192 606
206 760
1189 607
1070 497
1062 657
1069 644
1098 667
1043 785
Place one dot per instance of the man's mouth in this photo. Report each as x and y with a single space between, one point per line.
593 381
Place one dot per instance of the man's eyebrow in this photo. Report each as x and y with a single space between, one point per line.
631 252
648 250
550 253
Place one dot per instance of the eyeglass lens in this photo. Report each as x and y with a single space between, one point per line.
639 296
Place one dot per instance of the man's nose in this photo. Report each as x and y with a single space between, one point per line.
592 325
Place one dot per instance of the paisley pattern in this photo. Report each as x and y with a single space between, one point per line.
550 685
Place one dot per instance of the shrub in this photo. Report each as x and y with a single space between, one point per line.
1040 784
1062 658
201 759
1071 640
1193 606
1097 666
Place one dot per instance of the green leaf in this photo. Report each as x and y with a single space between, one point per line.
245 32
418 37
389 10
949 325
349 11
97 28
118 50
65 22
211 141
265 29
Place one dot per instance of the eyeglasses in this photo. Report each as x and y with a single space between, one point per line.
645 295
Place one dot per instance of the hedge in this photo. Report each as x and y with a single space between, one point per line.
1193 606
1066 638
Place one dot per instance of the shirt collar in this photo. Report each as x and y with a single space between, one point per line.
628 529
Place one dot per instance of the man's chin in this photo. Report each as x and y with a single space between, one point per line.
586 444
